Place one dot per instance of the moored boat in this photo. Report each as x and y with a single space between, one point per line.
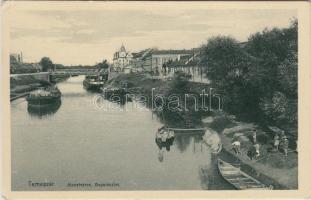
93 82
44 96
164 138
238 178
163 135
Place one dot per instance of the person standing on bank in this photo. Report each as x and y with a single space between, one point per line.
285 145
237 147
254 136
276 141
257 150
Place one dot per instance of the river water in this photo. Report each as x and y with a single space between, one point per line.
77 146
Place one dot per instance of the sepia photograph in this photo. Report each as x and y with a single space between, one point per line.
152 96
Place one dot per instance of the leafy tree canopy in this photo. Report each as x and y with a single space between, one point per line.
46 64
258 77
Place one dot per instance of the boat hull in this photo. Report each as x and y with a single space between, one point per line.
92 86
238 178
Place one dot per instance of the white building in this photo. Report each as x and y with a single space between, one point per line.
121 59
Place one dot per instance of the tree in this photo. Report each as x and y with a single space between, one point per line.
276 73
222 58
288 75
258 78
275 109
103 65
46 64
226 64
275 51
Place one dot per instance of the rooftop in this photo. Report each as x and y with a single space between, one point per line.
183 51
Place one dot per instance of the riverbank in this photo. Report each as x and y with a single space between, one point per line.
272 167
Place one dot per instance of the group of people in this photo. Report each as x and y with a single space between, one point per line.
280 142
254 150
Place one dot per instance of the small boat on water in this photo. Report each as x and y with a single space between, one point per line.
94 82
164 138
164 135
238 178
44 96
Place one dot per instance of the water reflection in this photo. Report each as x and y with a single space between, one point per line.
210 177
183 139
204 177
43 111
167 144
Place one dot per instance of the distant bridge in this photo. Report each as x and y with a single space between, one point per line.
48 76
88 72
64 72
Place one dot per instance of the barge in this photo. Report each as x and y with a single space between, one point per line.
44 96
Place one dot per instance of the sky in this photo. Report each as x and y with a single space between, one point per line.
87 35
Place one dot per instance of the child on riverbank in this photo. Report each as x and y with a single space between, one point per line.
257 150
284 144
236 147
254 136
276 141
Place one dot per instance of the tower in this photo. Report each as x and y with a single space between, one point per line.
122 49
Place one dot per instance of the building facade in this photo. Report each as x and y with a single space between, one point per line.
121 59
154 60
188 64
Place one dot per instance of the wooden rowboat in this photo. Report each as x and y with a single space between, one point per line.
238 178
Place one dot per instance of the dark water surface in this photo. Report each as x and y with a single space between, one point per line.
75 142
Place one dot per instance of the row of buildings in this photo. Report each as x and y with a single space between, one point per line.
161 62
